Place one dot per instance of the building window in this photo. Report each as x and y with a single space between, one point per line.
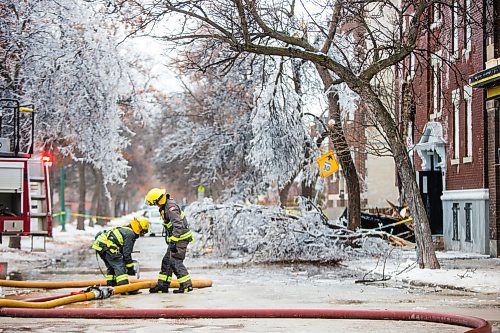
437 14
494 26
455 97
437 85
454 27
468 122
455 210
468 211
467 25
412 65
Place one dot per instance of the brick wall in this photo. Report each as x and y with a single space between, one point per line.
494 173
455 75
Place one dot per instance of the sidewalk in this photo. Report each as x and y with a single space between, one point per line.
459 271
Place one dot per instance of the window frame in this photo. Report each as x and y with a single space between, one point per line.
468 123
437 85
455 98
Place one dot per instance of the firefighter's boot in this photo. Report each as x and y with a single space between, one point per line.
161 287
184 288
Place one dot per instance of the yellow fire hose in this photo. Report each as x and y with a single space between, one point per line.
136 284
197 283
84 296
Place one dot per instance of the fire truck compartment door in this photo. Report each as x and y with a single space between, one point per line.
11 177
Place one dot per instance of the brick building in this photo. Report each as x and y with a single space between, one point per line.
487 82
453 135
375 190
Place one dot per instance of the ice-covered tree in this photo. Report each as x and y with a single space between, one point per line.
237 125
282 146
143 16
310 31
62 56
205 131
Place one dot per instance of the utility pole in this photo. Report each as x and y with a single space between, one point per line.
62 217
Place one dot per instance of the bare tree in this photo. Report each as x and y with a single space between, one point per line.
316 32
205 131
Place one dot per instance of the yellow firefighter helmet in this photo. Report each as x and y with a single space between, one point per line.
155 196
140 225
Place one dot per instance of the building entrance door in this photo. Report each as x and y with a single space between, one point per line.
431 190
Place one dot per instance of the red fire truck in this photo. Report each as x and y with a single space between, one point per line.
25 207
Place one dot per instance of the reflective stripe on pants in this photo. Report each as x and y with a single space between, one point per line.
174 263
114 264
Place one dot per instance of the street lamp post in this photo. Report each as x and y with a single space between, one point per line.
62 217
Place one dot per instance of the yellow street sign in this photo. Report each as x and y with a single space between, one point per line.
327 164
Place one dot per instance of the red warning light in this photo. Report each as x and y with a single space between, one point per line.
47 159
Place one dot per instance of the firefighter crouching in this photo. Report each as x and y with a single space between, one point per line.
115 249
178 236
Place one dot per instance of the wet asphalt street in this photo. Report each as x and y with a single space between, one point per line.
258 286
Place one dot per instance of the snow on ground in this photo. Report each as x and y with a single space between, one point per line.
57 247
463 271
268 234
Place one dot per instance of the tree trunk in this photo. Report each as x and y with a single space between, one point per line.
284 193
306 190
117 206
81 200
426 255
97 195
103 204
343 152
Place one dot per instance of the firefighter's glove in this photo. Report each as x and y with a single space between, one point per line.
173 247
131 270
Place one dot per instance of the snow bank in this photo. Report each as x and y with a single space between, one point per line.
270 234
461 271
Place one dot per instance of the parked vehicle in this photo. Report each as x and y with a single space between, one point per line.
25 206
155 221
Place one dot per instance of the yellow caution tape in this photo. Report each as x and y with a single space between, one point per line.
86 215
95 216
58 214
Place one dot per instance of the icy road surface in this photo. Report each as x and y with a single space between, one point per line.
236 286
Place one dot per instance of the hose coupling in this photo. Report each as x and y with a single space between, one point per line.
100 292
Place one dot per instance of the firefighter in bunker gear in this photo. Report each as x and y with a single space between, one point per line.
178 236
115 249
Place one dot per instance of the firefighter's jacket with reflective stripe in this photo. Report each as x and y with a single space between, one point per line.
175 222
120 239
